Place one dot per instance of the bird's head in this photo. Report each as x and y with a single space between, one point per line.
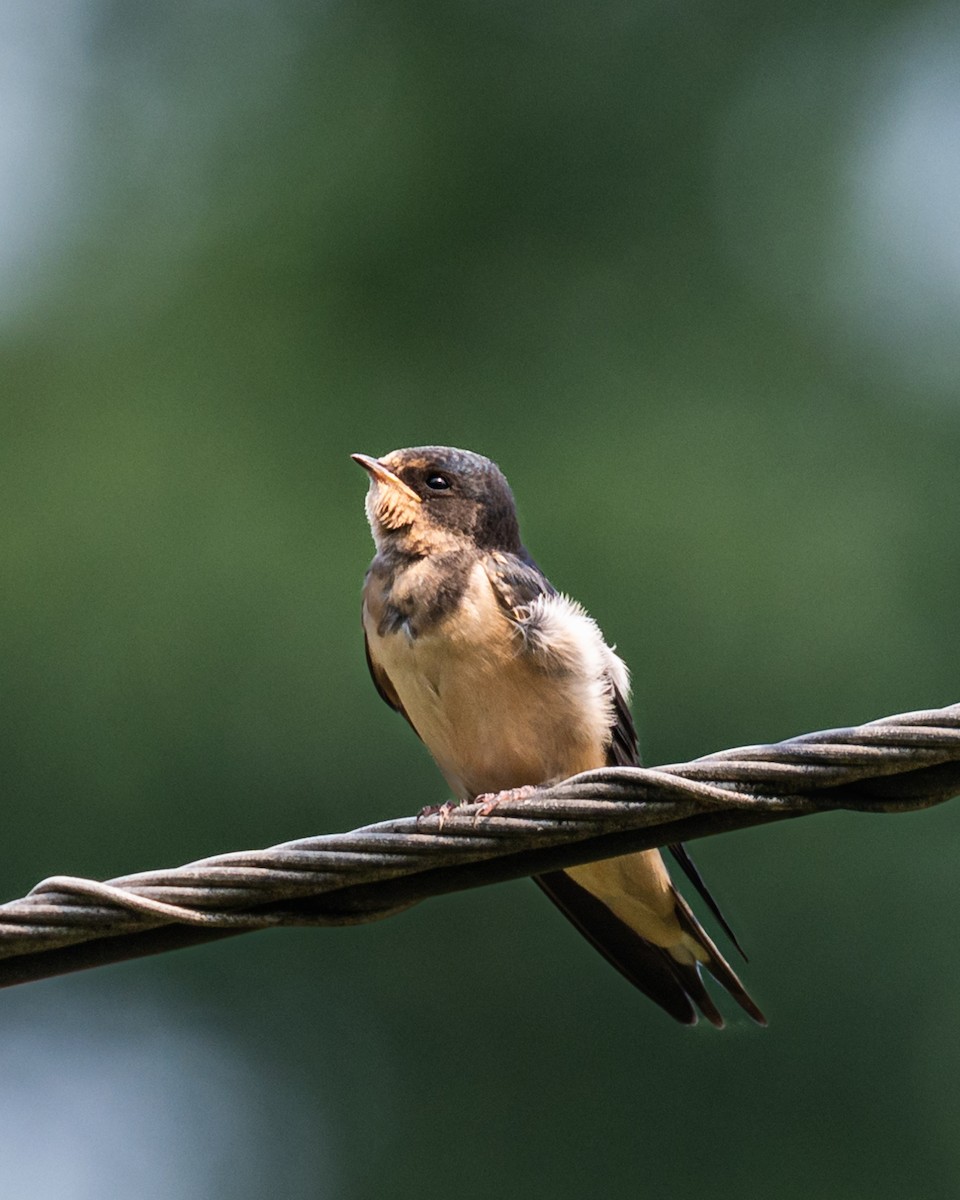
430 499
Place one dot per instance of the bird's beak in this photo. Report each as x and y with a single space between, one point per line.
376 470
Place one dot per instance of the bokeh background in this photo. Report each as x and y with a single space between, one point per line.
691 274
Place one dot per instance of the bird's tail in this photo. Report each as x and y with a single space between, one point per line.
670 976
715 963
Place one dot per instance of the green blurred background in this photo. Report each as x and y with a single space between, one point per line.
691 275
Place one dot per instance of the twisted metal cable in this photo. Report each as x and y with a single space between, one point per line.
897 764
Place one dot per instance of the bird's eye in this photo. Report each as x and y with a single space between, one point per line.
438 482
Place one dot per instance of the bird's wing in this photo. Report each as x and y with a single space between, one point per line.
689 868
676 986
385 689
623 752
381 680
373 610
516 579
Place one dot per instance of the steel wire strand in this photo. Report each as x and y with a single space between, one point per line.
900 763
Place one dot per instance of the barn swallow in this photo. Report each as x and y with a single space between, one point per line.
510 684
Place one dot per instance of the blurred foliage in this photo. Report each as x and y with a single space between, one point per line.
601 246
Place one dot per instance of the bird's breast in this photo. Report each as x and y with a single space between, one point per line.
493 714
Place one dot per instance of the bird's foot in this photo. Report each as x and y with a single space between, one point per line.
488 801
441 811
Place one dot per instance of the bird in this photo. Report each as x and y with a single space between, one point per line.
511 685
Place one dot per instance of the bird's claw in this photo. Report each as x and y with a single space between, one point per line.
440 811
488 801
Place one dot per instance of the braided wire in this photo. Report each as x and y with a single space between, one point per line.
897 764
